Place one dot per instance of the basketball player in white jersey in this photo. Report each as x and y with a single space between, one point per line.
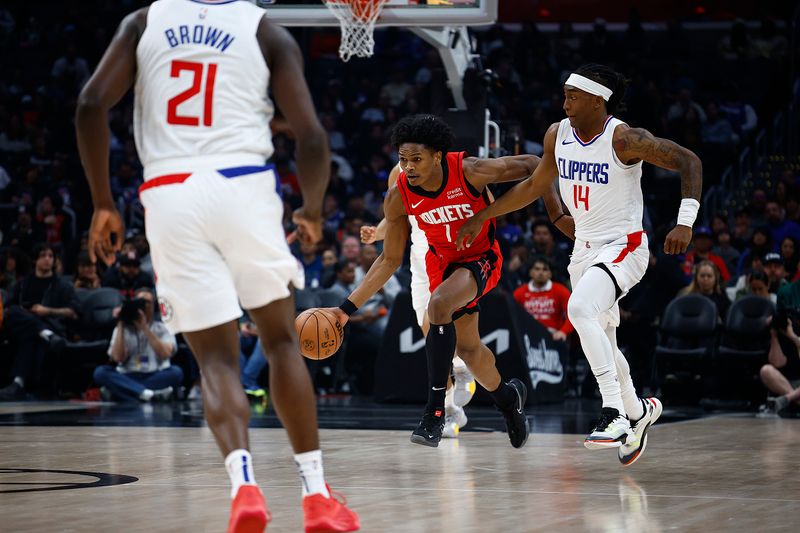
201 71
597 159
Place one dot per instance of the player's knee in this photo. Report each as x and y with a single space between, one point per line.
580 307
440 311
280 348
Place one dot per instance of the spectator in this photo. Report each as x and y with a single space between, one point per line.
368 256
760 245
758 285
25 232
789 252
707 282
127 277
312 264
726 251
782 373
351 249
252 361
701 251
544 243
38 307
742 231
140 351
87 277
16 265
775 271
780 228
70 71
52 221
546 300
328 276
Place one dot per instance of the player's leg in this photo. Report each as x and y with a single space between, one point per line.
456 291
228 414
592 296
508 397
642 412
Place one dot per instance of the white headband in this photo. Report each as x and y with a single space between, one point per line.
591 87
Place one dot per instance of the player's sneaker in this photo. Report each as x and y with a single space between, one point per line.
249 511
629 453
429 430
454 419
328 515
611 431
463 383
516 421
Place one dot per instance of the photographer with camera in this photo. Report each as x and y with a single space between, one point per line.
142 349
781 375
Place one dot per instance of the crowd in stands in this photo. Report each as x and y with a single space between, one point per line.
713 107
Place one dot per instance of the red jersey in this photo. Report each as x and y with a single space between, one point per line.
441 213
547 305
691 259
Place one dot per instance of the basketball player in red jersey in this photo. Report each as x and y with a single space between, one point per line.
441 189
213 216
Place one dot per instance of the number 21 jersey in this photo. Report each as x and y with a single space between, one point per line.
201 87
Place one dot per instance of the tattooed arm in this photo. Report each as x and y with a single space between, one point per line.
636 144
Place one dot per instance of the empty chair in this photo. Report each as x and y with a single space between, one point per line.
686 340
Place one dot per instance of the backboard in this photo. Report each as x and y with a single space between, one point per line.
395 12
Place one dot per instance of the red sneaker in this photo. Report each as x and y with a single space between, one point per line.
329 515
249 512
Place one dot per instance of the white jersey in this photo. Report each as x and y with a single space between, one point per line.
602 194
201 87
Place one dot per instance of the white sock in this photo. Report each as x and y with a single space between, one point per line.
239 465
146 395
309 464
449 398
595 294
633 406
46 334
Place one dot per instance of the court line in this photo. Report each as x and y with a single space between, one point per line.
478 491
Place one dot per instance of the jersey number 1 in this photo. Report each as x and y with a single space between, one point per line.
580 194
208 94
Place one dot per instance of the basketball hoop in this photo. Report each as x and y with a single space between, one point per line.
357 20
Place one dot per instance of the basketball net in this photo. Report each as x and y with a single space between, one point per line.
357 20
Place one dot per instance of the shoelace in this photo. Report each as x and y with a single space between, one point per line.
336 495
605 420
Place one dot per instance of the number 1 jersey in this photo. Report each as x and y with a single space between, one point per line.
201 87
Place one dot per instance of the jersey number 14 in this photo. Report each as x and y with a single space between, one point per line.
197 81
580 195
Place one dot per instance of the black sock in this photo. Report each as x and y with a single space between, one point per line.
440 345
504 397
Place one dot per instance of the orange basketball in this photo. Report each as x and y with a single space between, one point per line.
319 332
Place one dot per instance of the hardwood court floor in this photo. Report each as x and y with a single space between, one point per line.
725 473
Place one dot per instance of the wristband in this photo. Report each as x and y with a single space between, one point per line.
688 212
348 307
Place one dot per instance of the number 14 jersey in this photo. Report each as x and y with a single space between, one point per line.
603 195
201 87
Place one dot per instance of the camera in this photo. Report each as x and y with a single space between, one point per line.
129 313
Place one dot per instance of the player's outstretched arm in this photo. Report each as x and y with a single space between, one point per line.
113 78
481 172
519 196
556 213
370 234
636 144
293 98
387 263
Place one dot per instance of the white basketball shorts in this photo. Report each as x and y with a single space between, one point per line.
626 258
420 286
217 243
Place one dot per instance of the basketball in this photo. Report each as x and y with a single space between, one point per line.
319 333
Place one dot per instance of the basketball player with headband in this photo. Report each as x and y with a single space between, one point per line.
597 159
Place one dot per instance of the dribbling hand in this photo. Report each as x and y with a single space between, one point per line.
105 223
309 228
340 315
368 234
678 240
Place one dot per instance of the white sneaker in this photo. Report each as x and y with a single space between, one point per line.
463 383
195 393
612 430
164 394
629 453
454 419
